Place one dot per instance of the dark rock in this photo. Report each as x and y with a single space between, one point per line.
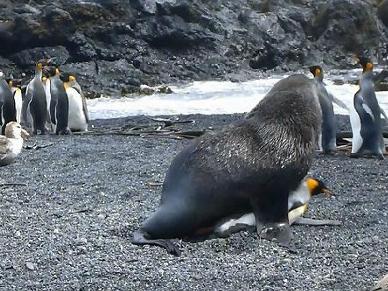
174 33
168 41
350 24
382 11
28 58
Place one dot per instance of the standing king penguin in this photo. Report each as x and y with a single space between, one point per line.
34 104
17 96
78 111
59 105
250 166
7 103
327 140
365 116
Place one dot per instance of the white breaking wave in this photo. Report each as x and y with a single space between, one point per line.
210 97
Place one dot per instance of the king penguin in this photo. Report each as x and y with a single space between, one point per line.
59 105
365 116
17 96
297 206
34 107
327 139
7 103
78 111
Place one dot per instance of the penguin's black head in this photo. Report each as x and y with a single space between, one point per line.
316 71
366 63
316 187
67 77
14 82
49 71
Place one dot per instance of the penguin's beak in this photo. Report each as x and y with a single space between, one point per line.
25 135
327 192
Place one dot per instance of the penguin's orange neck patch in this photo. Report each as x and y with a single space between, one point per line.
317 72
368 67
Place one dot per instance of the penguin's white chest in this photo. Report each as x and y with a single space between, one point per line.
300 196
77 120
48 93
17 95
355 123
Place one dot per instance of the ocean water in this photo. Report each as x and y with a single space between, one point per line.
212 97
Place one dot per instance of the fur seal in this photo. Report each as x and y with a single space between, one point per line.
249 166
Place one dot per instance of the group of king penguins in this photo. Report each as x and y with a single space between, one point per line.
365 115
53 101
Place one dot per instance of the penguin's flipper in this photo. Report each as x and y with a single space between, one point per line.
368 110
296 213
316 222
339 102
384 115
26 101
85 108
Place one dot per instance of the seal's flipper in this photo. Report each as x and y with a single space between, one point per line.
271 213
139 238
316 222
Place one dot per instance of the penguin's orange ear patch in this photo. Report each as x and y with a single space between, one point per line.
369 66
317 72
312 184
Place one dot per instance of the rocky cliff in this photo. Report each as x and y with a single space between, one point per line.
114 46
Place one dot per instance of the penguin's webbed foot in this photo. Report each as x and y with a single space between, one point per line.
354 155
65 131
139 238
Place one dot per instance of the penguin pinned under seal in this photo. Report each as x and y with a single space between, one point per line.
59 104
297 206
17 96
249 166
365 116
34 107
78 110
7 104
327 141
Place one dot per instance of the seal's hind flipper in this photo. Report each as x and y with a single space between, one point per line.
316 222
139 238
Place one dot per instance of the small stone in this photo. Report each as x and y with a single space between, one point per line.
30 266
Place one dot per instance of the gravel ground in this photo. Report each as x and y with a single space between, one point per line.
68 225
